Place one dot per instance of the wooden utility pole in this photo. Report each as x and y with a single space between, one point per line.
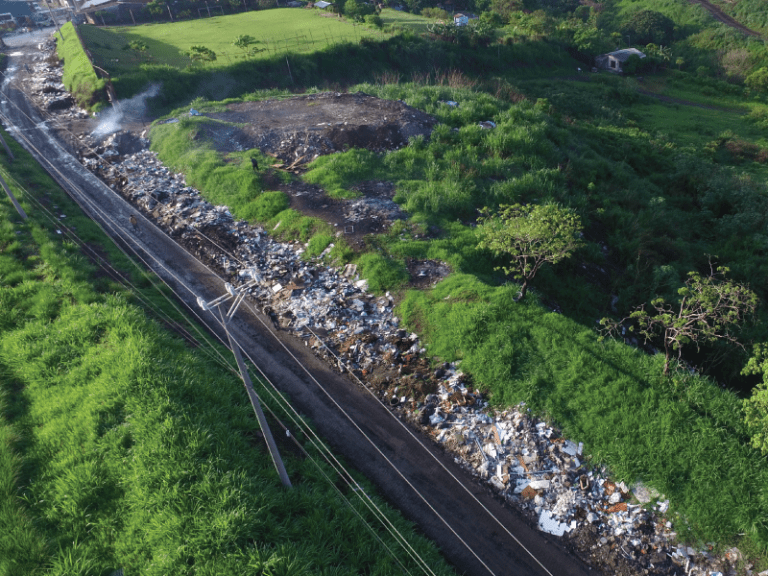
238 297
54 20
11 158
15 203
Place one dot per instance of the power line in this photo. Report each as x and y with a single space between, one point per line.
363 433
118 232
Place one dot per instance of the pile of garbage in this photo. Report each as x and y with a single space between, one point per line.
44 81
523 459
617 528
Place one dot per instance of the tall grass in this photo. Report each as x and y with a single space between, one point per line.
79 76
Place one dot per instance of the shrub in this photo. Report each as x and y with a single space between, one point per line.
317 244
269 204
382 273
758 80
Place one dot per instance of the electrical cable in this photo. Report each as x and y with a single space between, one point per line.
351 420
73 236
118 234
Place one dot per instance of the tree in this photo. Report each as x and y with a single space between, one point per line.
201 54
156 7
243 42
358 10
758 80
531 235
709 310
647 27
756 406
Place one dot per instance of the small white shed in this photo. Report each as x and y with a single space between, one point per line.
613 61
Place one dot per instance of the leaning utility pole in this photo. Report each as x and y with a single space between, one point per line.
237 296
55 23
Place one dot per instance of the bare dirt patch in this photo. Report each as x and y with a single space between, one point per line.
297 130
305 127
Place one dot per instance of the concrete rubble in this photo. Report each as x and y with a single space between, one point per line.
618 528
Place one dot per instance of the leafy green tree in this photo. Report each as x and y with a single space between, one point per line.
156 7
358 10
589 40
505 8
758 80
243 42
647 27
709 310
492 19
531 236
201 54
756 406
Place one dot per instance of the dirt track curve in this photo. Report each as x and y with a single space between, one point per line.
422 470
721 16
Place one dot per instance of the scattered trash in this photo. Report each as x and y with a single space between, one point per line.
525 460
193 112
487 124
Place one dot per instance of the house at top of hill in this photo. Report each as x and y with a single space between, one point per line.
463 18
613 61
460 19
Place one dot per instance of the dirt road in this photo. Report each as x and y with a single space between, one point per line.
721 16
477 533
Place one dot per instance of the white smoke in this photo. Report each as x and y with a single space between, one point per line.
111 119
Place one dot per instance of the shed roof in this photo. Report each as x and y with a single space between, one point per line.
623 55
322 4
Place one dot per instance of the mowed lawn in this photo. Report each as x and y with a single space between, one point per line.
292 30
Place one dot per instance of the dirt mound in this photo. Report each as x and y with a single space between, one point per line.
305 127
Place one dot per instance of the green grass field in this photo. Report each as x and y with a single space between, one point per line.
405 20
658 185
123 446
283 30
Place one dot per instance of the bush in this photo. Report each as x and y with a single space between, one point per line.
374 20
382 273
758 80
269 204
317 244
436 13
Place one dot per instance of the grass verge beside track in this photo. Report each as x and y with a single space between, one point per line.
79 76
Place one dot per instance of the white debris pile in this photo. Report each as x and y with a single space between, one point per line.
44 81
523 459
